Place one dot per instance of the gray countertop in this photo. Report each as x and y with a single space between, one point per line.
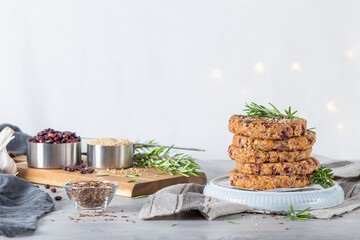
57 225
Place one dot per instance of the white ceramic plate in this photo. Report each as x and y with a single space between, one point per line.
221 189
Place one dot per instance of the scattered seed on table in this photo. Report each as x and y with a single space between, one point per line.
132 221
281 223
93 220
286 229
53 189
272 215
52 220
58 198
37 186
47 186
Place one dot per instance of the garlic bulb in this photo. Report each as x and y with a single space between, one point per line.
7 164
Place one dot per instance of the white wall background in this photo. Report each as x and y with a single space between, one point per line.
177 70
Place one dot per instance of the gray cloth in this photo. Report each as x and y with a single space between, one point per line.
185 197
18 144
21 204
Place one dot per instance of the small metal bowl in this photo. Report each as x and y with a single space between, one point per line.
44 155
91 195
103 157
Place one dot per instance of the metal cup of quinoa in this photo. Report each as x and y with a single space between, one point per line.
91 195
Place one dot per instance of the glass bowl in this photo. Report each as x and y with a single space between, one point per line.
91 195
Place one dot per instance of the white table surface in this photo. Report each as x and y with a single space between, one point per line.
57 225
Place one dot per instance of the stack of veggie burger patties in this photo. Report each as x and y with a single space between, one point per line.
271 152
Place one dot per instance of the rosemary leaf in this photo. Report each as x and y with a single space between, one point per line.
130 181
102 175
141 196
229 221
132 175
172 225
311 129
259 150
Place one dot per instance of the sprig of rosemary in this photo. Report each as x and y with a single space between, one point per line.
299 216
323 177
259 111
164 160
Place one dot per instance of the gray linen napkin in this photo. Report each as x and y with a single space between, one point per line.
186 197
21 204
18 144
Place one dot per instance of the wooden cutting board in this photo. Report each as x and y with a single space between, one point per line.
150 179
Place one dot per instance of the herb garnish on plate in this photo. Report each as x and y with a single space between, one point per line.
323 177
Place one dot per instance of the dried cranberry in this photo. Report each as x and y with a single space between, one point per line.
47 186
76 167
53 190
58 198
284 135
